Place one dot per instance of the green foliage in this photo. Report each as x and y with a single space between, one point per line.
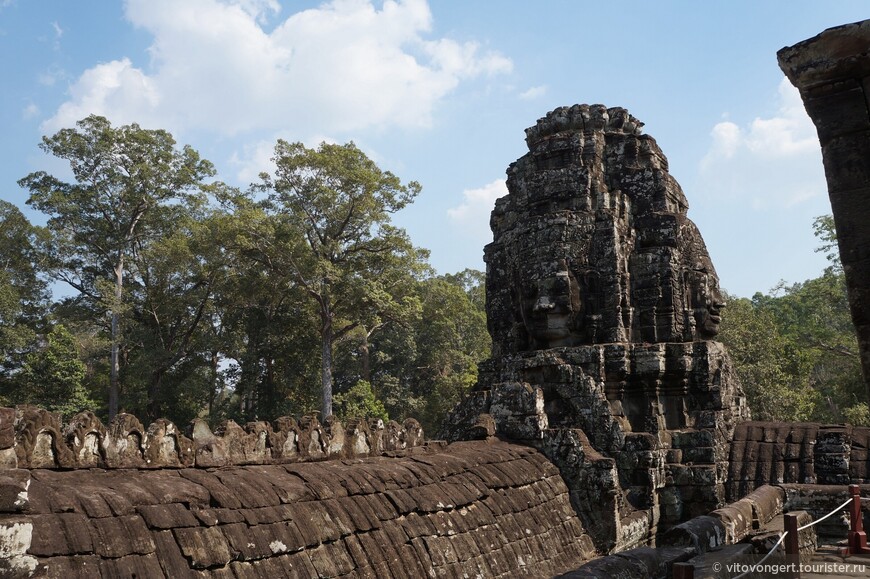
858 415
422 369
234 310
452 339
774 391
53 376
127 185
796 350
23 291
328 212
131 186
826 231
360 402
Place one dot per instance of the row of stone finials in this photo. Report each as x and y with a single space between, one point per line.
32 437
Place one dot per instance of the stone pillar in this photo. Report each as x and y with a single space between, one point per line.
832 72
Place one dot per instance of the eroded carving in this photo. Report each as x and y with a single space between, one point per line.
40 440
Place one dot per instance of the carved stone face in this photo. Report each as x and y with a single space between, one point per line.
706 298
551 307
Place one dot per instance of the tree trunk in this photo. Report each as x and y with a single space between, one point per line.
365 358
114 363
153 393
269 390
326 360
213 393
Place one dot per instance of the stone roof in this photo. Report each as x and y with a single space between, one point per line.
482 508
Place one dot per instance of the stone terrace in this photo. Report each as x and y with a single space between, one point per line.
484 508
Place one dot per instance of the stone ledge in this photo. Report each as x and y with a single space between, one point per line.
33 438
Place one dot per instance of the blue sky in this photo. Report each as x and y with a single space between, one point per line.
440 92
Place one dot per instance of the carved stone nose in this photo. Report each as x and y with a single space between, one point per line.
543 304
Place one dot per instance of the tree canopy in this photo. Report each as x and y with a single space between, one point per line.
192 298
129 186
332 206
795 348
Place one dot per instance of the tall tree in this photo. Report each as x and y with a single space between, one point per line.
334 203
23 291
171 297
128 181
267 322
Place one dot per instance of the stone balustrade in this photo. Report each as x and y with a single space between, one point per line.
33 438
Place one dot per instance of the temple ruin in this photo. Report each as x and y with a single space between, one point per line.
602 302
607 435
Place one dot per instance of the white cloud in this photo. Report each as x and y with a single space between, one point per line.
462 60
30 111
343 66
256 157
58 31
253 159
726 140
769 162
533 93
116 89
472 215
50 76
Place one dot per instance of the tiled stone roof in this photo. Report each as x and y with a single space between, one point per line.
484 508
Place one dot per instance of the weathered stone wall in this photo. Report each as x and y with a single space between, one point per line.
832 72
125 501
800 453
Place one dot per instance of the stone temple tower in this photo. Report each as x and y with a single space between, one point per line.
603 305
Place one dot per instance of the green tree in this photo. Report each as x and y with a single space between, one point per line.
23 291
796 350
360 402
333 206
128 184
774 389
170 299
815 318
825 230
269 324
423 369
53 376
451 339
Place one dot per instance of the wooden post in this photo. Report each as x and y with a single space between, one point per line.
857 536
683 571
792 544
